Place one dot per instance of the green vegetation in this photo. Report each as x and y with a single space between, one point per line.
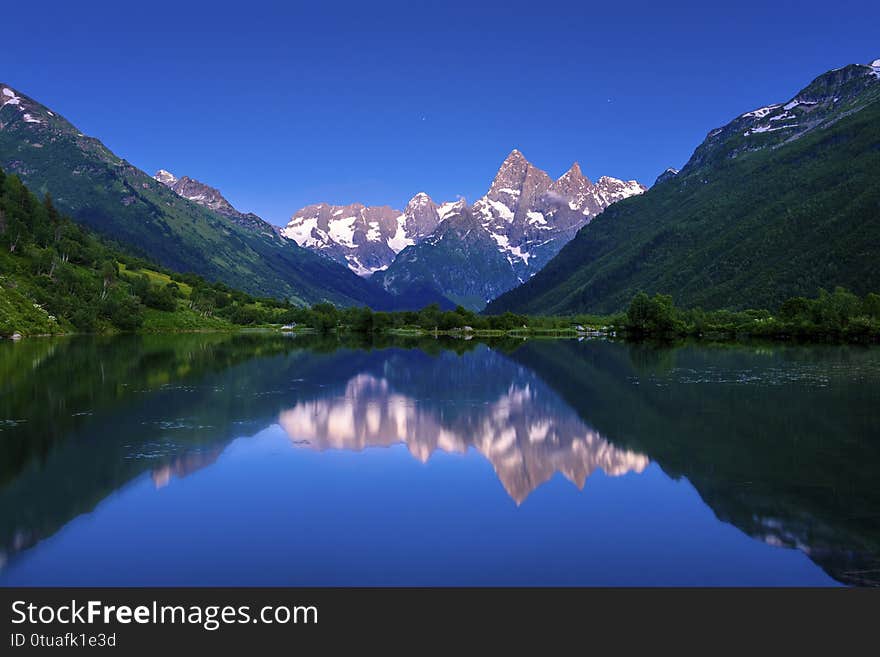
325 318
57 277
743 228
836 316
97 188
839 316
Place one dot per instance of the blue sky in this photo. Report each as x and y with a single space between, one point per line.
284 104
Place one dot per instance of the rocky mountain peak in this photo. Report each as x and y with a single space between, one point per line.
211 198
574 171
666 175
27 110
827 99
165 177
421 216
518 182
571 184
197 192
614 189
420 200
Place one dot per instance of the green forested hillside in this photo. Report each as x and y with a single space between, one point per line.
97 188
757 216
57 277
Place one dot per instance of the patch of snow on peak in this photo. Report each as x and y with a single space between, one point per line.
766 128
504 246
301 232
355 265
420 199
761 112
536 218
30 119
504 212
9 98
446 209
165 177
374 234
399 241
342 231
508 190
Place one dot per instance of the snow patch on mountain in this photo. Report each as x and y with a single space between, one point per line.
536 218
301 233
9 98
761 112
504 212
525 214
342 231
165 177
445 209
399 241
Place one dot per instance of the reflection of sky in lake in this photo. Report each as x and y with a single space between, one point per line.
266 513
558 463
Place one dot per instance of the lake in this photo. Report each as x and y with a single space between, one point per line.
265 459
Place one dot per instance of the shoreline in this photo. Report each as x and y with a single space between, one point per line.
522 334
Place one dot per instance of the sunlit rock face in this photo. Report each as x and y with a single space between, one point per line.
526 433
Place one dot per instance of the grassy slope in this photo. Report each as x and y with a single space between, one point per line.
54 279
20 313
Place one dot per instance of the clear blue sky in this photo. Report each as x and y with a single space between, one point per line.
284 104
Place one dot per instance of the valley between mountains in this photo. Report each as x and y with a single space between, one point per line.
782 201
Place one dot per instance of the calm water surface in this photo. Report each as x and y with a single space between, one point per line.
272 460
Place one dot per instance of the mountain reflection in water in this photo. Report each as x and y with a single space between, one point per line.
527 433
777 441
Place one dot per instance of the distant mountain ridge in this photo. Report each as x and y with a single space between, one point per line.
476 253
779 202
211 198
206 236
366 239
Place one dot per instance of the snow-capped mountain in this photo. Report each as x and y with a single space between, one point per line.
526 214
530 216
780 202
211 198
165 177
364 238
829 98
507 236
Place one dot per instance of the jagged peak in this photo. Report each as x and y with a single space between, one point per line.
512 174
574 172
419 200
165 177
515 157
